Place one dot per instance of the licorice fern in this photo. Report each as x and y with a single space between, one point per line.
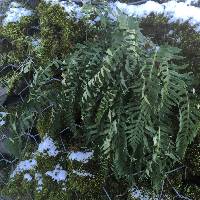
129 98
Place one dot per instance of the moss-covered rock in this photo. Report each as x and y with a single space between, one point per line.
16 38
58 31
56 176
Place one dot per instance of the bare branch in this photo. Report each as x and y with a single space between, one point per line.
106 193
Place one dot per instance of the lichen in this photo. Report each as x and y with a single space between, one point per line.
192 192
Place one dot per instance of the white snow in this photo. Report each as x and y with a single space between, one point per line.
28 177
64 189
171 32
53 2
58 174
36 42
141 10
25 165
72 9
15 13
175 11
80 156
191 1
39 179
47 147
2 115
140 194
82 173
2 122
15 4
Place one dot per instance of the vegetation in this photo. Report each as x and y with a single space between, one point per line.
105 87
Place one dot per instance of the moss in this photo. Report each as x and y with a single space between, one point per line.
192 192
54 194
51 25
76 187
192 159
12 189
55 30
58 31
16 48
16 37
87 187
49 187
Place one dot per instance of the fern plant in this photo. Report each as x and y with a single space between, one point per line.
134 102
129 100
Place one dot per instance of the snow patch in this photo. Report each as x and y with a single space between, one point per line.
36 42
47 147
72 8
15 13
53 2
2 122
189 2
2 115
28 177
39 179
23 166
176 11
58 174
82 173
140 194
80 156
142 10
